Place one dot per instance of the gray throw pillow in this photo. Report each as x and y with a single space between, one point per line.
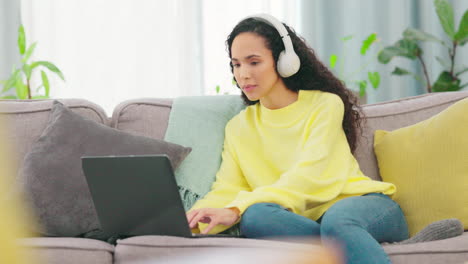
52 178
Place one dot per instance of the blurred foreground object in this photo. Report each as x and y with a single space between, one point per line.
303 251
13 219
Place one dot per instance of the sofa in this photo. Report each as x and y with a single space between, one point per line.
26 119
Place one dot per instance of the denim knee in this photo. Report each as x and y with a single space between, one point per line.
273 220
376 214
331 226
254 215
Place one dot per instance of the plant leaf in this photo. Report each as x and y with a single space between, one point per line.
410 48
21 40
446 82
368 42
45 82
10 83
217 89
21 88
416 34
445 13
462 34
362 87
29 52
40 97
404 48
374 79
48 65
400 71
386 55
27 71
346 38
333 59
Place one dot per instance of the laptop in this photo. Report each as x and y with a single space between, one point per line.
136 195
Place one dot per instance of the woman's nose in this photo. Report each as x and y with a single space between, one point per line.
244 73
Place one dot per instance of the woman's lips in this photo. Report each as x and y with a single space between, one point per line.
249 88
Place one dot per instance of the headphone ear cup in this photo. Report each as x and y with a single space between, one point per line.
288 64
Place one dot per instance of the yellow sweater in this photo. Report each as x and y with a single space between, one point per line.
296 156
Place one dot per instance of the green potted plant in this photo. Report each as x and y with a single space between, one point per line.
20 78
408 47
349 79
224 91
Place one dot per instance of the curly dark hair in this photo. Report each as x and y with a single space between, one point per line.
312 75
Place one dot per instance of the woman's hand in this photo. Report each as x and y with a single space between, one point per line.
213 217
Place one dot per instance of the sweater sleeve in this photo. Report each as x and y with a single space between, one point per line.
229 182
320 172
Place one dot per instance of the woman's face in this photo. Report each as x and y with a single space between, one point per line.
254 67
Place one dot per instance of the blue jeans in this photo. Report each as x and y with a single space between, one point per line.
357 223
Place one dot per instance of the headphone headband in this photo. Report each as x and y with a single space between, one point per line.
288 62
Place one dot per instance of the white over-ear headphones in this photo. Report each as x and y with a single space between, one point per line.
288 62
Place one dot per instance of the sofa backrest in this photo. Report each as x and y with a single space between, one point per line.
395 114
146 117
24 120
149 117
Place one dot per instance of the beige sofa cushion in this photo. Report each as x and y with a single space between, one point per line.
164 249
67 250
24 121
447 251
150 249
147 117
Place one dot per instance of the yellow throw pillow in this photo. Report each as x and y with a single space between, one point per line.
428 163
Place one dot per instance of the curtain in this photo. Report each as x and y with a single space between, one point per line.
111 51
324 23
9 23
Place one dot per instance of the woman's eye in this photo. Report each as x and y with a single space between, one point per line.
236 65
254 63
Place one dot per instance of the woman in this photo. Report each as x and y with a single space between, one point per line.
288 168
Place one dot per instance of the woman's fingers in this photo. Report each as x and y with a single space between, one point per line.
193 219
191 215
212 217
202 214
212 224
206 219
